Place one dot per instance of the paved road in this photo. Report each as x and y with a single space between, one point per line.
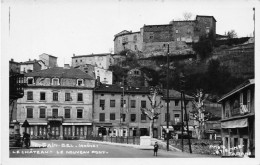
80 149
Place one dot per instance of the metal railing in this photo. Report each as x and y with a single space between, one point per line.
116 139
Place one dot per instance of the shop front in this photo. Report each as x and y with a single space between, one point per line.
237 136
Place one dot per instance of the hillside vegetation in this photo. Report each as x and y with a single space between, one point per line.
210 71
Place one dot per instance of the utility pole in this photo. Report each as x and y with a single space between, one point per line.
183 105
167 134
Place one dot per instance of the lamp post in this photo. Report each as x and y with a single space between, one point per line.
167 133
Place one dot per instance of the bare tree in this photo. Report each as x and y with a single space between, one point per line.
199 115
231 34
187 16
152 113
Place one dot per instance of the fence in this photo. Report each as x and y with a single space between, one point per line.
116 139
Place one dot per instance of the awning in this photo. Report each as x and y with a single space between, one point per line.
240 123
76 123
191 128
38 123
170 128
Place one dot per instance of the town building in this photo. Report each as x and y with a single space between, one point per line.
238 119
105 76
127 40
57 103
153 40
175 113
113 101
99 60
32 65
49 60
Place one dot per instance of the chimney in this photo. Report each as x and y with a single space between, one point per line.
29 59
12 59
66 66
98 82
73 55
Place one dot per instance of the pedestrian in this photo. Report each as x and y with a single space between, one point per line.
155 150
26 139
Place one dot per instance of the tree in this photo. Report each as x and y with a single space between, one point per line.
231 34
198 114
187 16
152 113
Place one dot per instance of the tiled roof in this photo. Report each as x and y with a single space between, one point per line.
238 88
173 94
205 16
31 62
59 72
92 55
119 89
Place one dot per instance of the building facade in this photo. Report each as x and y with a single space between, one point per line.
99 60
152 40
238 119
113 101
57 103
175 113
127 40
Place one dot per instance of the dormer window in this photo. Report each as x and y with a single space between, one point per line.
80 82
29 80
55 81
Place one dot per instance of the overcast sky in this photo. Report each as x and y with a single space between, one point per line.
66 27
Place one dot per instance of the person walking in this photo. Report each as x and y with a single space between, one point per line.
155 149
26 139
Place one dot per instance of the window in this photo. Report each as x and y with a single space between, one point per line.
135 37
112 116
133 117
42 96
80 82
55 96
102 104
80 97
55 112
29 95
169 117
176 118
112 103
132 103
176 102
76 60
102 117
30 81
55 81
42 113
67 113
177 31
135 47
151 36
136 72
143 117
143 104
207 30
123 117
79 113
248 99
29 113
123 104
67 97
